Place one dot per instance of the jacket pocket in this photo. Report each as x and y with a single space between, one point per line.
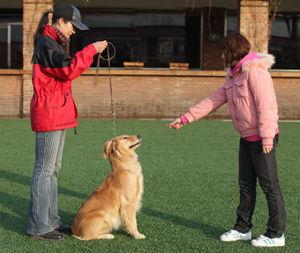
41 119
240 89
228 89
66 114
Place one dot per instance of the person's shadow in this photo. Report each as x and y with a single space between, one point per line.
25 180
208 230
16 217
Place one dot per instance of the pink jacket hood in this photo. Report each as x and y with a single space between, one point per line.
249 92
262 60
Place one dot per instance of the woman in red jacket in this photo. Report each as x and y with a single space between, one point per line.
52 111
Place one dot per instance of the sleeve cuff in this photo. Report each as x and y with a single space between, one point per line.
184 120
268 142
92 49
189 117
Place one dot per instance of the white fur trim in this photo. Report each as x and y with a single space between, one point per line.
266 61
267 57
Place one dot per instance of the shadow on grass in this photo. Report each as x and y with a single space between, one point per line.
17 217
208 230
19 206
14 219
25 180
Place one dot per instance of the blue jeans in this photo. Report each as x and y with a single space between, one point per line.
43 209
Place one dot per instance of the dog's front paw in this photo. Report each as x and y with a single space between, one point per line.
139 236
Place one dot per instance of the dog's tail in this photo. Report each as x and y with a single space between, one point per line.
79 238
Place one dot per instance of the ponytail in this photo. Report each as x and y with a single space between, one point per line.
43 21
39 31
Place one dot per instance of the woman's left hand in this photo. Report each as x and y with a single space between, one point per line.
100 45
267 149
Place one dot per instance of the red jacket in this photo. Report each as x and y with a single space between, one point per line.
52 106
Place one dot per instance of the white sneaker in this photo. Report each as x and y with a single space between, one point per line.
233 235
264 241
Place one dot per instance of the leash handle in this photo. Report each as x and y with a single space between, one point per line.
109 58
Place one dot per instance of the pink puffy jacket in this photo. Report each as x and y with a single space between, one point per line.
249 92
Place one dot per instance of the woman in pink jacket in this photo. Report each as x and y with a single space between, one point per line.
248 89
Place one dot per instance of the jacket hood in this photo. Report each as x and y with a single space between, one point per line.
265 61
253 59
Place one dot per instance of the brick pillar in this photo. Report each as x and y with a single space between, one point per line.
32 12
254 23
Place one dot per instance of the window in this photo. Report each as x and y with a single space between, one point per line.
285 41
155 38
147 31
11 50
158 37
3 46
231 23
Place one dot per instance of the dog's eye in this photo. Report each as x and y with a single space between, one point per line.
125 138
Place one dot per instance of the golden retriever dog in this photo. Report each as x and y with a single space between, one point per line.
117 200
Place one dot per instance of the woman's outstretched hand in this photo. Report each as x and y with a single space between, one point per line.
176 124
100 45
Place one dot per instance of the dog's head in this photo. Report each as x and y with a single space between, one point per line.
122 146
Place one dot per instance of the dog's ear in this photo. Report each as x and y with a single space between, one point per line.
106 150
111 148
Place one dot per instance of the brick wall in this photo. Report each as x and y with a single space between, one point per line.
161 94
288 97
142 96
166 96
10 95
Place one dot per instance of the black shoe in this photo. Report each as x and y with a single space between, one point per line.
64 229
51 236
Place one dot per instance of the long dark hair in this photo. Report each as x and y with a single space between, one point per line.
43 21
39 31
234 47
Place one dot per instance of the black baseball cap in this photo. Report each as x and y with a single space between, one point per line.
69 13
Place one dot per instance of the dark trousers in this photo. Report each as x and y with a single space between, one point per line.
253 165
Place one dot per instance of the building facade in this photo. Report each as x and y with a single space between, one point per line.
156 33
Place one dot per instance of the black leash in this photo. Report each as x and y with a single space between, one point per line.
108 59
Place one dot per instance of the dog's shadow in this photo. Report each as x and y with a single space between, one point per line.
208 230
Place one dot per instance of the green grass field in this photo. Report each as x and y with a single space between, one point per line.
191 187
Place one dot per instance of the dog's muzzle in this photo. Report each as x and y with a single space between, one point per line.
138 143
